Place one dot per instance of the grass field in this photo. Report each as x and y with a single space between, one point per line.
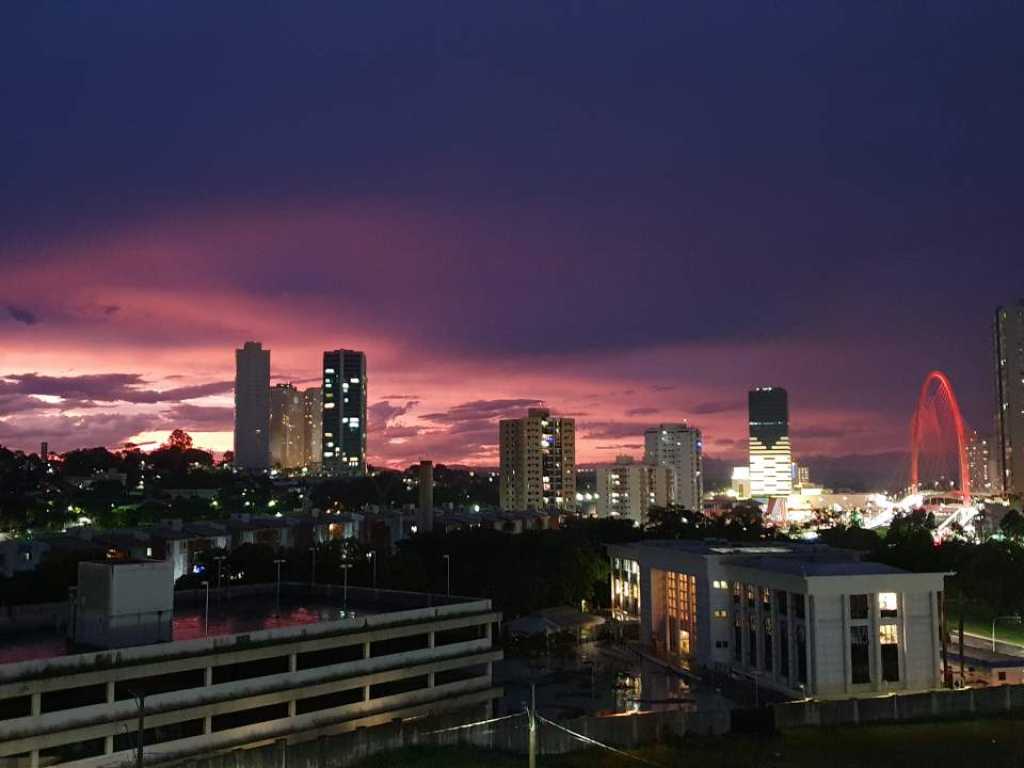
985 743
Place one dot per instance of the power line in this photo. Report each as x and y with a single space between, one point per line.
596 743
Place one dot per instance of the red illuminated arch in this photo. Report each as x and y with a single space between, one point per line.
945 389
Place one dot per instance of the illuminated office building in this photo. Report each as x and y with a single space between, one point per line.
771 461
344 408
538 462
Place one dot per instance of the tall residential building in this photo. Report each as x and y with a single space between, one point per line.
771 470
287 425
680 447
1009 349
313 427
538 462
628 490
252 406
981 464
344 422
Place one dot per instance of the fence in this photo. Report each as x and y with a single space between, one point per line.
948 704
507 734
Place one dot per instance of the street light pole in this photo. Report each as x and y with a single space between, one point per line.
206 611
1015 619
448 566
279 562
345 567
373 562
312 578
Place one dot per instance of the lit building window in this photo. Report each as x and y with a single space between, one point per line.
887 604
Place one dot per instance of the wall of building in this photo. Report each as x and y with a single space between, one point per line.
929 705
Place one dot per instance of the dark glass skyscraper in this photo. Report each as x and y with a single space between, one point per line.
771 459
252 406
1009 349
344 408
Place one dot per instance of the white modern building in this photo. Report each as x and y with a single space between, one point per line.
252 406
628 490
680 447
802 619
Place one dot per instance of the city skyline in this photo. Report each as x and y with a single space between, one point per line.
291 203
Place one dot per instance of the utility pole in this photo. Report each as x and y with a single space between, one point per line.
533 724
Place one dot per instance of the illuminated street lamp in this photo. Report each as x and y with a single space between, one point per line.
1014 619
373 560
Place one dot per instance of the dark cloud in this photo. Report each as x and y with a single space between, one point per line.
381 414
201 418
621 447
23 316
646 411
611 429
106 387
478 410
718 406
65 432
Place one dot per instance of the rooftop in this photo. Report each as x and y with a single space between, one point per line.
788 557
799 566
238 610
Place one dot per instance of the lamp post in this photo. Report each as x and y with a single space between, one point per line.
373 562
278 562
1014 619
206 612
344 568
448 568
312 578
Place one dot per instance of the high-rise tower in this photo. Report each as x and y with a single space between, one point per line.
252 406
771 471
312 433
680 447
1009 359
538 462
286 426
344 407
